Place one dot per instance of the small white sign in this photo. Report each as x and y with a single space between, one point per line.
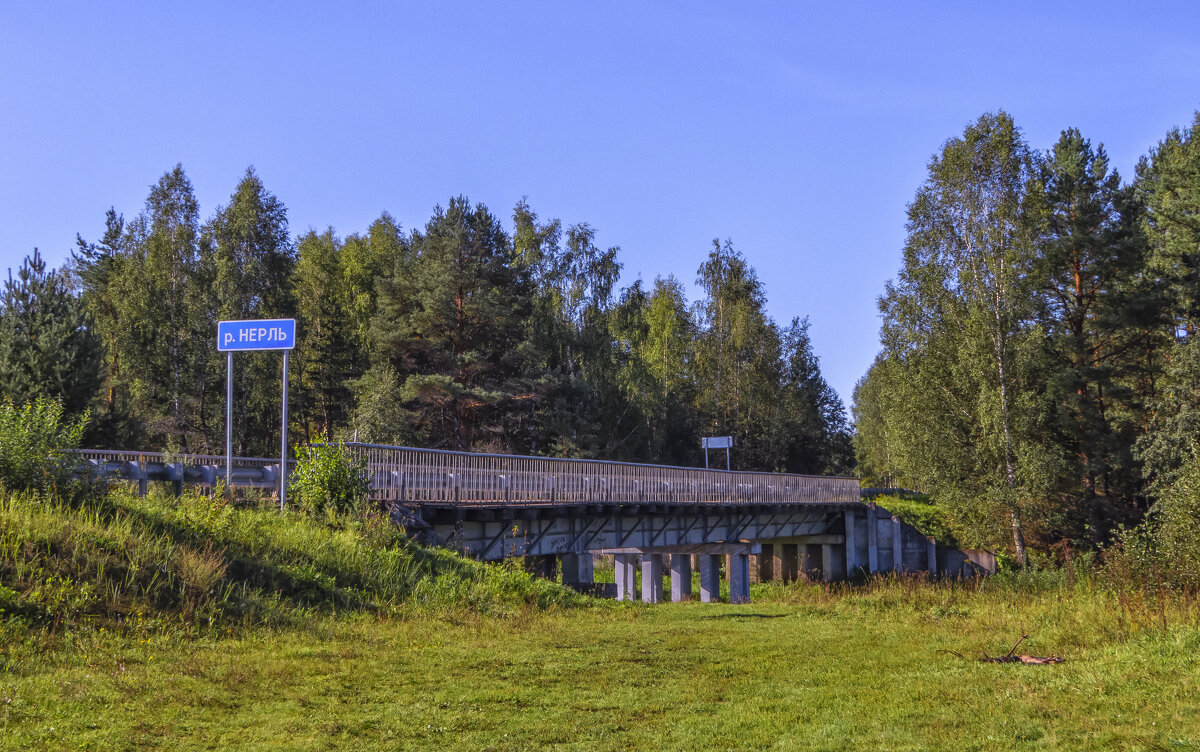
717 442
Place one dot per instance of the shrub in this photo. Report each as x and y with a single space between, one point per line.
328 480
1165 548
37 445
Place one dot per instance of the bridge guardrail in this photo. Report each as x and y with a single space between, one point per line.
434 476
445 477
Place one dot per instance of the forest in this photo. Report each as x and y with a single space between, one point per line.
1040 365
1039 375
468 333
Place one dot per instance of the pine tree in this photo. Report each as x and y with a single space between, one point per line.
99 268
325 355
815 433
1095 308
739 360
48 344
452 323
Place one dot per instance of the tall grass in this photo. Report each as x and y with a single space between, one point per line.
197 562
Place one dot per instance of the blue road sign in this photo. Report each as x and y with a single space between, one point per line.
264 334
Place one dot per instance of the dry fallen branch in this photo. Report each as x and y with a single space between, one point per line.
1035 660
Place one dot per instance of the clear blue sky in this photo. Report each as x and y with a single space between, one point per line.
799 131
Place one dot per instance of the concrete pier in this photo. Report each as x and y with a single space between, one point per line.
577 569
872 540
789 562
681 577
897 545
710 578
626 576
739 578
652 578
827 564
851 536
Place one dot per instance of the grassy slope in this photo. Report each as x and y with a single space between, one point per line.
121 562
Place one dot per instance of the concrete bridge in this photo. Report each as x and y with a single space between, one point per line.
561 514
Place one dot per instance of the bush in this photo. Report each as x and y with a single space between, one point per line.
1165 548
37 445
328 480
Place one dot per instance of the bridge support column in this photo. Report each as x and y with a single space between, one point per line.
710 578
766 563
544 566
852 564
872 539
626 577
681 577
652 578
897 545
810 561
789 562
577 569
931 565
739 578
827 562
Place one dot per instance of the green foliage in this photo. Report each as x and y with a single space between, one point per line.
458 335
960 319
1100 314
327 480
48 344
37 445
452 321
1164 551
246 260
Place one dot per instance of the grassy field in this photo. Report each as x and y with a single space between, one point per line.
186 624
803 669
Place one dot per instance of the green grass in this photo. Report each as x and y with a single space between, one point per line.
385 645
920 512
805 668
119 561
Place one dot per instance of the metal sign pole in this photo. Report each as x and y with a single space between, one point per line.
283 439
726 459
258 334
229 423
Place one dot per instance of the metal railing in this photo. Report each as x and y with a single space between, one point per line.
190 460
433 476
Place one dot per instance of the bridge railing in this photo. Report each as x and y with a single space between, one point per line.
445 477
190 460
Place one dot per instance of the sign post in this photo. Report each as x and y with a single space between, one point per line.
262 334
716 442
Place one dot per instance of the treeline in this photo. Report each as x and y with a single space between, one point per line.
464 334
1040 370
